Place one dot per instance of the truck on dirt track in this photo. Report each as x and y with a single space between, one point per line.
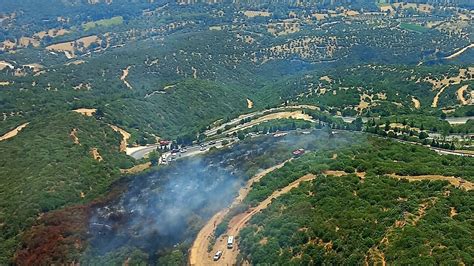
230 242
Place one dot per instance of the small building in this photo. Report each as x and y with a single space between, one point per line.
165 144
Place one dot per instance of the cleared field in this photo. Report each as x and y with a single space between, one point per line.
118 20
85 111
70 48
252 14
413 27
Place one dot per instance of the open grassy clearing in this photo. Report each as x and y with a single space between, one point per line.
413 27
118 20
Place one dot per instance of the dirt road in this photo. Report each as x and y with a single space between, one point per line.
198 254
455 181
123 78
273 116
460 51
235 122
229 257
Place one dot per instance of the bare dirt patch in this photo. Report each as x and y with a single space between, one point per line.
335 173
75 62
283 28
326 78
452 212
70 48
460 95
249 104
73 136
252 14
123 78
125 137
96 155
86 111
52 33
455 181
280 115
416 103
441 84
13 132
5 64
364 103
375 255
136 169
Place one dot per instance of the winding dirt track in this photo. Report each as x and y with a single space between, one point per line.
199 254
460 51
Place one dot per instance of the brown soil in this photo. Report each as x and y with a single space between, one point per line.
4 64
85 111
335 173
326 78
73 136
375 256
442 84
452 212
273 116
136 169
76 62
416 103
13 132
249 104
70 48
460 95
455 181
125 137
252 14
124 77
96 155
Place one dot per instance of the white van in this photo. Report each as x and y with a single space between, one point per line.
230 242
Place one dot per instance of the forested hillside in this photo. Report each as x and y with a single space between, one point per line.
355 211
74 74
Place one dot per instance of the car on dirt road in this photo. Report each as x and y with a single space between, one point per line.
218 255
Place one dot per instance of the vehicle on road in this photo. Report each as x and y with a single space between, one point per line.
230 242
218 255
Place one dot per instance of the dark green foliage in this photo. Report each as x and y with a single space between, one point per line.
42 169
337 220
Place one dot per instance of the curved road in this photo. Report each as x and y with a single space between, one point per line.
199 256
